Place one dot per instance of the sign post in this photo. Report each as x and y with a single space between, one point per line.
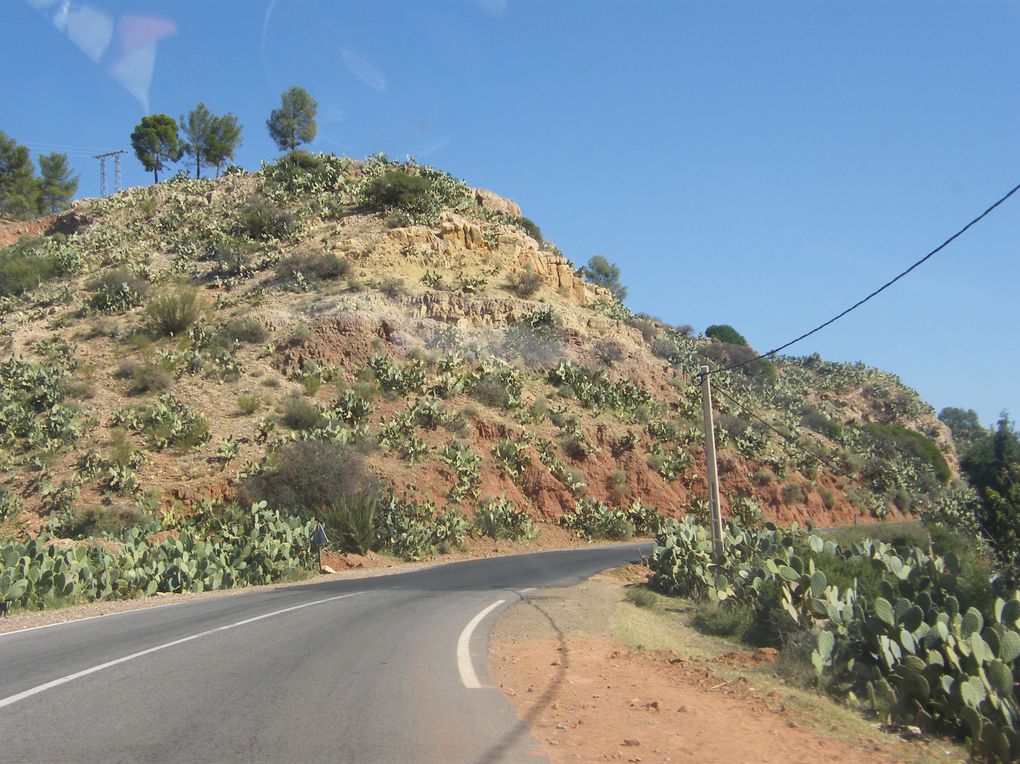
319 540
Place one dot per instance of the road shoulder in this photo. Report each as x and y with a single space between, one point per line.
597 678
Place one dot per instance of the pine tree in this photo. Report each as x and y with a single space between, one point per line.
156 142
224 139
294 122
211 139
197 128
19 189
57 183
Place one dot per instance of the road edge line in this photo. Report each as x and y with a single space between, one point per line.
464 663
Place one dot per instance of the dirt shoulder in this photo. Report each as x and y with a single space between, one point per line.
597 678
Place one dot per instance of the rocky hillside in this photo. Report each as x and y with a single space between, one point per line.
197 341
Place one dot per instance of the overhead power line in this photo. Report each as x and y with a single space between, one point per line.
62 148
744 408
878 291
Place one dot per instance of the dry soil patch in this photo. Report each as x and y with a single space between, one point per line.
588 696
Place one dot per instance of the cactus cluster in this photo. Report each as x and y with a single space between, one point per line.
598 391
920 650
264 548
501 519
596 520
413 531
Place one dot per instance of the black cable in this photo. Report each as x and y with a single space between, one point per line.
882 288
747 410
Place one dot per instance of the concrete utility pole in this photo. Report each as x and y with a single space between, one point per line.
711 468
116 170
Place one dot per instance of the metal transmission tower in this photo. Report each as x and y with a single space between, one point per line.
116 170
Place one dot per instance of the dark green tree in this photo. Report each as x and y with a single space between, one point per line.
57 183
19 188
605 274
294 122
993 467
156 142
725 333
965 426
224 139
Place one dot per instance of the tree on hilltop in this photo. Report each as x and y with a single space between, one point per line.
294 122
19 190
223 141
156 142
210 139
57 184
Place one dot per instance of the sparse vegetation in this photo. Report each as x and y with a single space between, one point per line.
525 284
174 311
312 268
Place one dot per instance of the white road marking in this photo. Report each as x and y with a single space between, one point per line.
12 699
464 662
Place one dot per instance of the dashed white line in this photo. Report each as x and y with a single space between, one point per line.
464 662
12 699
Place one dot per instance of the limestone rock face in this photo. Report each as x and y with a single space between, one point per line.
490 201
463 233
558 273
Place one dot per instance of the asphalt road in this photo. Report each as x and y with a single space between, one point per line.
385 669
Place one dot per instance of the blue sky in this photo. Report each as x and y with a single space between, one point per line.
758 164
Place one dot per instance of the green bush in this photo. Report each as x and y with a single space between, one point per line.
492 391
413 531
246 330
307 475
299 414
395 189
315 267
26 265
642 596
392 287
261 220
725 620
892 438
747 511
793 493
149 378
814 419
248 404
725 333
414 194
10 504
99 520
174 311
530 227
350 520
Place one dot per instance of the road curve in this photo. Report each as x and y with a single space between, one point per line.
385 669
